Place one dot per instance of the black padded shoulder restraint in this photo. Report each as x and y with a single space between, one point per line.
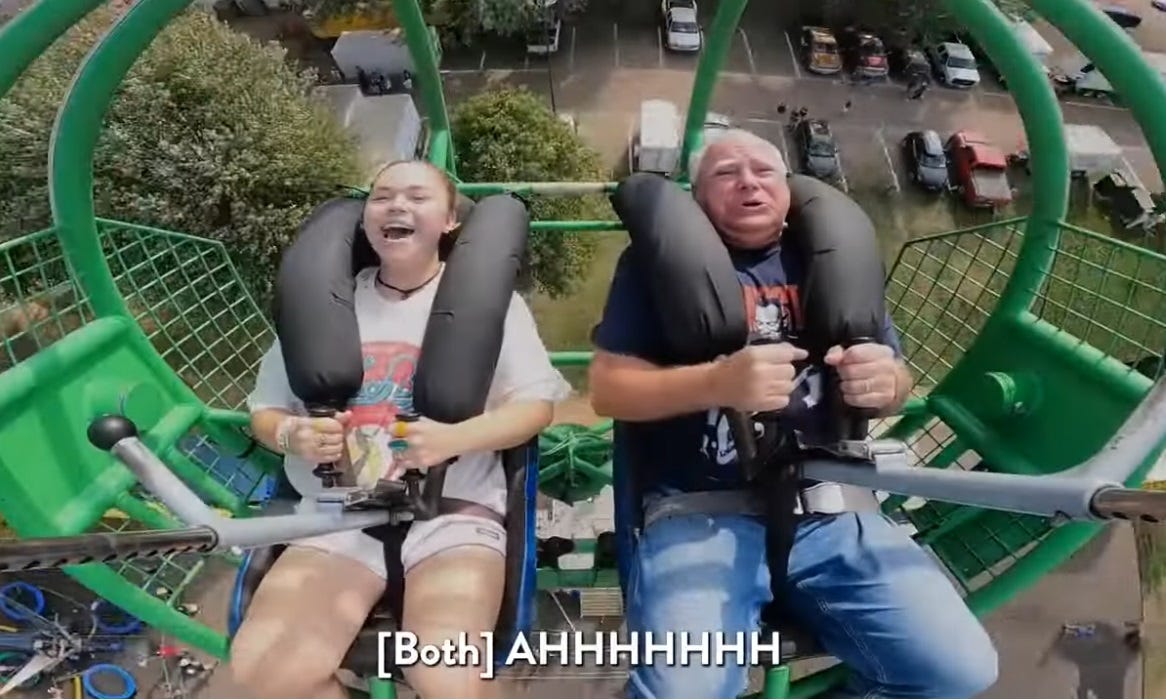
693 284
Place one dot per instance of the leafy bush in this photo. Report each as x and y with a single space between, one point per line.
211 133
509 135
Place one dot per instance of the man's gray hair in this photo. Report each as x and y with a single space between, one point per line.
740 135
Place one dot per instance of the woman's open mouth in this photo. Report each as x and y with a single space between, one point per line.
396 232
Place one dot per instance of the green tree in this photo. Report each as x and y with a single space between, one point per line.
510 135
211 133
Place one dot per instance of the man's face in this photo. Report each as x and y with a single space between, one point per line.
742 187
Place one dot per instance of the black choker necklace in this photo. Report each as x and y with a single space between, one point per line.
406 293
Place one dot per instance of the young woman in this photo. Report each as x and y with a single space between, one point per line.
309 607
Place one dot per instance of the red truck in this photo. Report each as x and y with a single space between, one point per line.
980 168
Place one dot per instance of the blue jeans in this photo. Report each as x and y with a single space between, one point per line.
874 599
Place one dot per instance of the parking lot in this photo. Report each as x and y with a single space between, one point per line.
612 60
614 36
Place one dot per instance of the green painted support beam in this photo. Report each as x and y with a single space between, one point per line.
1044 128
31 32
74 139
417 37
712 59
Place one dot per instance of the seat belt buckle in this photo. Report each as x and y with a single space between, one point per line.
872 451
384 495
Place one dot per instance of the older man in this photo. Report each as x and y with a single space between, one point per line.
872 597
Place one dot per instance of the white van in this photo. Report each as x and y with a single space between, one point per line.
655 144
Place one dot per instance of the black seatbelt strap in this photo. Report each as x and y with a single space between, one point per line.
393 538
780 486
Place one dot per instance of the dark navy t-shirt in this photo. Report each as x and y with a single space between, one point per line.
695 452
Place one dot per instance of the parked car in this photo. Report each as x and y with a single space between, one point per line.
818 149
980 169
926 161
819 49
679 25
954 64
863 53
909 63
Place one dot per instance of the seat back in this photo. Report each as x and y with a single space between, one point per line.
626 502
516 614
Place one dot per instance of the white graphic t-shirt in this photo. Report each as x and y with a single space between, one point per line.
391 332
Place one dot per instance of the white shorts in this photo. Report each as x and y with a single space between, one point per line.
424 539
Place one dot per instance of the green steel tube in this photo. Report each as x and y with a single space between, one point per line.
776 682
711 61
980 437
71 148
429 78
381 688
74 138
1118 57
1044 128
28 34
571 358
1085 359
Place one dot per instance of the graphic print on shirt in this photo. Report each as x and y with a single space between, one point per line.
387 389
773 313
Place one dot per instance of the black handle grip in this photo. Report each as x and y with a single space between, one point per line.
330 474
850 423
424 489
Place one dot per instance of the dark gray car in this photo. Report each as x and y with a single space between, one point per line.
818 148
926 161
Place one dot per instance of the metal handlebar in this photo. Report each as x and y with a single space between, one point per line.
330 474
424 499
1093 490
207 531
850 423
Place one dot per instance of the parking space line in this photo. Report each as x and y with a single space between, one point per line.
482 62
615 41
793 54
887 155
748 51
660 46
1093 105
571 56
842 174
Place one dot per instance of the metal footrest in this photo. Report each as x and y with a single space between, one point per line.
600 602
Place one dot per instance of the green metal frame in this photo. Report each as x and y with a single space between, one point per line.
1016 336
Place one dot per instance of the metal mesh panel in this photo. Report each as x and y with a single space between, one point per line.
942 290
1108 294
187 297
39 301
